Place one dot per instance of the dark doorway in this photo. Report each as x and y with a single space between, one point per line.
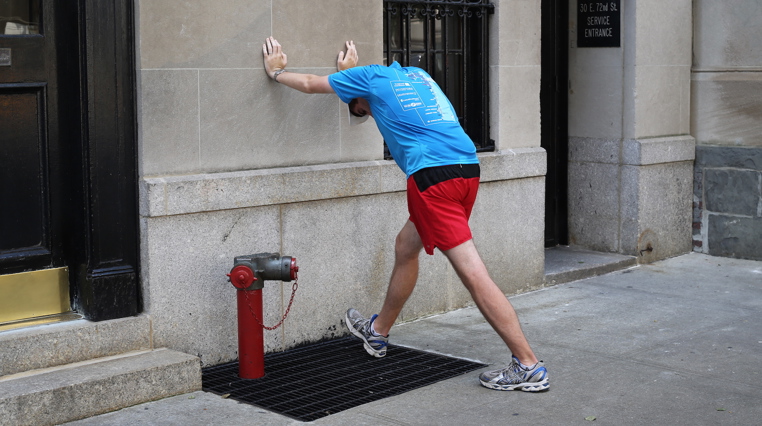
68 182
553 112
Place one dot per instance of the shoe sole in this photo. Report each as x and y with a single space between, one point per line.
366 345
526 387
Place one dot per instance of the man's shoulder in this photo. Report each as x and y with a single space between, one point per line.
360 69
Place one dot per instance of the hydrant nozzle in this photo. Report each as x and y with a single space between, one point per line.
250 272
242 277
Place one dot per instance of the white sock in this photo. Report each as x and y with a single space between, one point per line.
373 330
525 367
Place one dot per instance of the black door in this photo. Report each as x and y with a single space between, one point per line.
68 175
553 111
33 134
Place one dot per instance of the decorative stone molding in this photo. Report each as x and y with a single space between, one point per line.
174 195
633 152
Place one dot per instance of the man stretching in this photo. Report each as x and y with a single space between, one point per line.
423 134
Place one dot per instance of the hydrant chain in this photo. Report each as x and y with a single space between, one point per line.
285 314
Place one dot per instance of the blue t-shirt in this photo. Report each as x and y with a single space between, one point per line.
412 113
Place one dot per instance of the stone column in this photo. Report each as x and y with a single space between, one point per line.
630 150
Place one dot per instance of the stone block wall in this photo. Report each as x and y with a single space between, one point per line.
631 197
339 222
205 103
727 202
726 120
232 163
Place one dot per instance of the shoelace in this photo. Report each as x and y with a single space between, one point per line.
513 372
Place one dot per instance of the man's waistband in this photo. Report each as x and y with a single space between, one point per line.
430 176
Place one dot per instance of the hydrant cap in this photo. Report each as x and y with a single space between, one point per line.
293 269
242 277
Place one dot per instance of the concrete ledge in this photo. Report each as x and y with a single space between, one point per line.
566 264
174 195
516 163
642 152
633 152
72 392
74 341
594 150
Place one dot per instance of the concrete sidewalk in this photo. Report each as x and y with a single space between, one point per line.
675 342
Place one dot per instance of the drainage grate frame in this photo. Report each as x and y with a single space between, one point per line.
317 380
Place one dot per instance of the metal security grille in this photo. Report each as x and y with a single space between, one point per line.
450 40
321 379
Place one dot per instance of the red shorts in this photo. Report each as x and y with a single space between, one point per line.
440 200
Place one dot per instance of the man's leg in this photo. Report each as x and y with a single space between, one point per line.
490 300
407 249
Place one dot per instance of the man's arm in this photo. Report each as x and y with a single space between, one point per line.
275 67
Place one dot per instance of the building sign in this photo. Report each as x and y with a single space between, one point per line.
599 23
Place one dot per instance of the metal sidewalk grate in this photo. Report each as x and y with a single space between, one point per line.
321 379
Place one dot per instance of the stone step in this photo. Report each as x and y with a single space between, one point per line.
564 264
75 391
49 345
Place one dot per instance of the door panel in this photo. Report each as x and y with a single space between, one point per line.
32 171
24 217
68 169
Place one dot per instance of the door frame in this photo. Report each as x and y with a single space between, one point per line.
102 245
554 106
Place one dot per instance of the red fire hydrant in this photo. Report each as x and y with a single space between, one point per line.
248 276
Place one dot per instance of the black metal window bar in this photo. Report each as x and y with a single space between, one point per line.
450 40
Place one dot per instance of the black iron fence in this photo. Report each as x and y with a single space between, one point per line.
450 40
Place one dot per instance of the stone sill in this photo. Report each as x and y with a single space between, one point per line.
175 195
633 152
672 149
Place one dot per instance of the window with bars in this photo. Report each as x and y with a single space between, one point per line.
450 40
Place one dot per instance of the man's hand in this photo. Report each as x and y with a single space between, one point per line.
350 59
275 59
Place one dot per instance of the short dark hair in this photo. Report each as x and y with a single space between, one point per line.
352 104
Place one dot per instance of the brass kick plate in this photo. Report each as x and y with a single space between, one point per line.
34 294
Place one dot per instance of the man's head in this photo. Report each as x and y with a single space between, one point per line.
359 111
359 107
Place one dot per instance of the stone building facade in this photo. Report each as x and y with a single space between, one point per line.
233 164
664 157
630 146
726 120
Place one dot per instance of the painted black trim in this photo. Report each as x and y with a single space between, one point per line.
105 281
554 118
